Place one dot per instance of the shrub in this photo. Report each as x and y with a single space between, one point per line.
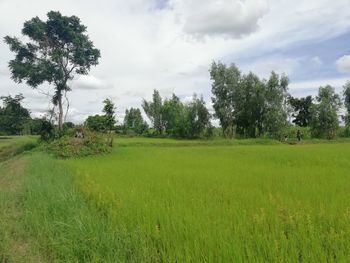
68 147
343 132
291 132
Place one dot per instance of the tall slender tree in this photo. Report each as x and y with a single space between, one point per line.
325 122
174 114
109 111
347 102
58 49
198 117
276 95
225 83
154 111
247 105
133 121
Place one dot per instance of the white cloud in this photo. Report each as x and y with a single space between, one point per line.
316 61
229 18
87 82
312 86
144 48
264 66
343 64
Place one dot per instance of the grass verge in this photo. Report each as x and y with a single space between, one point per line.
10 147
46 218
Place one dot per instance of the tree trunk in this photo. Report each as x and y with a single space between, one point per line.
60 112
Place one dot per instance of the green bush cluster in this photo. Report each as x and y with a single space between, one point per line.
68 147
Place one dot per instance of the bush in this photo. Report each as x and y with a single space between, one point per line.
343 132
68 147
291 133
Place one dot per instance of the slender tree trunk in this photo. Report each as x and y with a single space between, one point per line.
60 112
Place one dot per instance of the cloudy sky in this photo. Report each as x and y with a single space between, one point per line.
169 45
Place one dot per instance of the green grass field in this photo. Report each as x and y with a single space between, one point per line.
253 203
162 200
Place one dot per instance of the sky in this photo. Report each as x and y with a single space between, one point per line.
169 45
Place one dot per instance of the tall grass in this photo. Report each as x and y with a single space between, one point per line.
11 146
226 204
145 203
53 222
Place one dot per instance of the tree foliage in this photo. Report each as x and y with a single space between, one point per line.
174 114
275 111
134 122
59 48
325 122
198 117
103 123
347 102
154 111
96 123
13 115
225 83
180 120
109 114
247 105
301 110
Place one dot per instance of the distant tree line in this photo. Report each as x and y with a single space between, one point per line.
16 120
245 106
249 107
177 119
168 117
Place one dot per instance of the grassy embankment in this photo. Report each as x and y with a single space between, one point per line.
11 146
149 201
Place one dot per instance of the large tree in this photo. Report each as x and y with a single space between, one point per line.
109 111
178 119
13 115
301 110
96 123
275 112
347 102
174 115
225 82
154 111
247 105
325 122
198 117
133 121
58 49
103 123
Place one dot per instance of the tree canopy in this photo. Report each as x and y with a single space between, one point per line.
177 119
103 123
13 115
109 111
325 122
134 122
347 102
247 105
58 49
301 110
153 110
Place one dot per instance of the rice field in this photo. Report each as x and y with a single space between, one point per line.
178 201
